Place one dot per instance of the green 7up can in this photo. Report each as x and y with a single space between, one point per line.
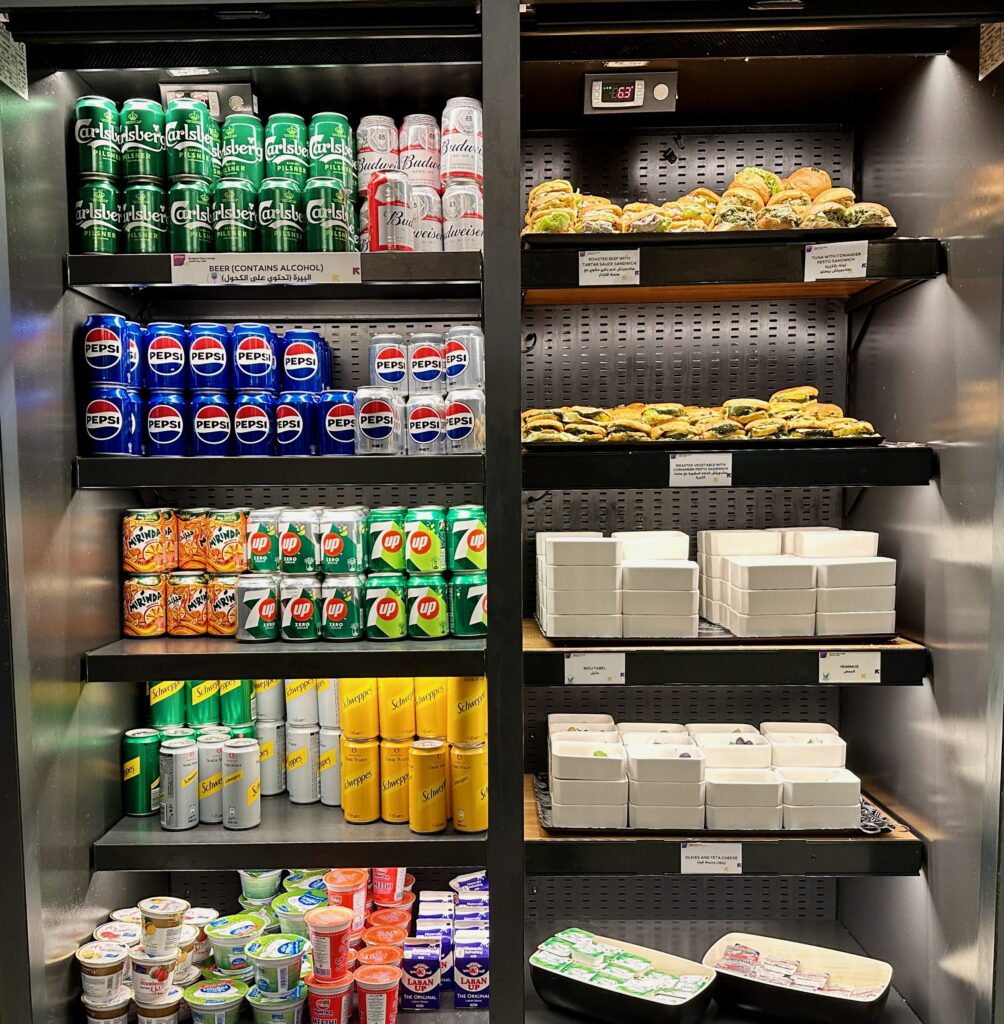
425 539
385 537
386 618
257 607
428 613
469 603
467 531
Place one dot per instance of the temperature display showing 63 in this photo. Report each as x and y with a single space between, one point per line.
618 92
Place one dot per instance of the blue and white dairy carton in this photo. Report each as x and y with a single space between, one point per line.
422 981
470 970
476 880
442 929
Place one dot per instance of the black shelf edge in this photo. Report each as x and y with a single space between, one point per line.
190 657
885 465
307 835
95 472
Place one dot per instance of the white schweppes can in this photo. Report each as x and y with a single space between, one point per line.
331 767
241 784
271 756
303 763
211 776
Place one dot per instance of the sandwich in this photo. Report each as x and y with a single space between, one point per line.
791 197
825 215
765 428
740 195
843 196
705 196
734 218
651 218
555 187
745 410
827 411
810 180
717 430
684 226
762 181
544 434
598 220
628 430
674 430
586 431
779 217
585 414
661 412
797 396
809 428
866 215
852 428
555 221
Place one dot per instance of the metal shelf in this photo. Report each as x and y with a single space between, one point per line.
711 663
308 835
184 657
92 473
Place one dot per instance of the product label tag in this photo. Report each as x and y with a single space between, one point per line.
991 47
609 266
266 268
836 261
711 858
700 469
850 666
604 668
13 63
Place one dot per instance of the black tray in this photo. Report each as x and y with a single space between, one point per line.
632 241
738 445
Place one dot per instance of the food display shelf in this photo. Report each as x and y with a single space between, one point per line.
737 662
182 657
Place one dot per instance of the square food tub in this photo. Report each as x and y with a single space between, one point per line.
744 819
742 787
724 750
596 762
819 787
666 817
822 818
808 750
665 763
666 794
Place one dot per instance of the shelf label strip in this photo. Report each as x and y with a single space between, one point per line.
266 268
711 858
836 261
609 267
604 668
850 666
700 469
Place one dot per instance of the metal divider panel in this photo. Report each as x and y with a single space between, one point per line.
336 494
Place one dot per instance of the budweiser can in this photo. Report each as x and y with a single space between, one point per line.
427 218
462 157
419 150
390 223
380 414
463 218
376 149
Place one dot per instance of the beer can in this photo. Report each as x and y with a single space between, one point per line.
396 703
328 712
390 213
300 599
427 218
270 699
236 697
187 604
202 701
104 347
336 423
469 785
428 609
271 736
425 539
464 357
469 604
364 227
97 218
226 540
143 542
331 767
388 359
359 708
463 218
426 372
165 361
298 541
386 613
190 217
286 148
255 362
430 707
303 763
212 426
376 149
385 537
296 423
418 146
112 421
96 133
166 424
465 421
167 702
216 148
280 215
462 145
144 218
141 140
179 785
222 595
427 786
144 605
301 701
331 149
242 148
210 350
304 361
235 215
188 141
263 540
380 422
467 538
394 758
360 780
342 607
141 772
210 747
343 541
328 214
466 709
257 607
241 784
254 423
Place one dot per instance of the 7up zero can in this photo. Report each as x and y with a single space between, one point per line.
385 537
386 615
286 148
332 151
469 604
257 607
144 218
97 217
298 548
190 217
300 597
425 539
234 215
280 216
263 540
327 210
428 615
96 130
188 140
243 148
343 540
141 772
141 138
467 538
342 607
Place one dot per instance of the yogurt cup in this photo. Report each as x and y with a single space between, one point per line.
229 935
260 885
287 1009
388 884
330 1001
389 919
312 880
329 929
124 933
115 1011
409 883
130 914
377 991
190 977
198 918
277 961
163 1011
263 908
381 936
291 906
102 970
407 902
382 956
152 973
162 918
186 949
210 972
347 888
216 1002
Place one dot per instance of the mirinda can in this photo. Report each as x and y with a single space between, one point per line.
144 605
143 541
226 539
430 707
169 529
427 787
222 592
394 781
469 784
192 538
359 709
360 780
187 604
396 703
466 709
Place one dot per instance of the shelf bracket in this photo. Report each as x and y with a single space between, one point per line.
851 497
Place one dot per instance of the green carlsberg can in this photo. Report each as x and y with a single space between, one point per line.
332 151
144 218
327 209
243 152
286 148
280 216
97 217
141 138
190 216
96 130
234 216
189 141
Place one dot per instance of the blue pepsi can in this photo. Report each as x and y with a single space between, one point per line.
254 423
167 425
254 357
210 357
135 368
212 424
336 423
112 421
105 347
296 423
165 362
304 367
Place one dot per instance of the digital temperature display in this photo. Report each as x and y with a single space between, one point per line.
618 92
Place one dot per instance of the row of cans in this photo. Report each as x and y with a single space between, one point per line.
427 362
400 217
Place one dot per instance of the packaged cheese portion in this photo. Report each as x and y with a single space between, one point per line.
853 623
647 545
582 625
772 602
769 625
788 534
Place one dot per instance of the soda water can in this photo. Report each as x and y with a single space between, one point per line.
426 369
303 763
235 701
144 218
141 772
212 424
222 592
271 736
263 540
241 784
427 218
463 218
359 709
104 348
428 612
469 783
96 215
331 149
144 605
376 149
141 140
331 767
300 598
254 423
386 615
328 213
296 423
390 223
270 699
298 541
242 148
179 785
304 361
188 140
235 215
388 359
425 416
385 538
427 786
167 702
187 604
286 148
96 131
112 421
190 217
469 604
242 731
328 715
464 357
210 357
418 146
394 758
425 539
210 748
360 780
342 607
430 707
336 416
380 422
396 705
255 362
301 701
462 146
166 422
465 421
257 607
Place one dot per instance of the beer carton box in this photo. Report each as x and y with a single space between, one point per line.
442 929
422 981
470 970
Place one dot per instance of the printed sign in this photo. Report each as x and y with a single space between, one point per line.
991 47
700 469
13 63
711 858
266 268
850 666
604 668
612 266
836 261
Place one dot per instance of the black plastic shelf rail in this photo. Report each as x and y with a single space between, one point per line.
185 657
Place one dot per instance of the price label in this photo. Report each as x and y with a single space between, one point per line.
266 268
850 666
604 668
609 266
836 261
711 858
700 469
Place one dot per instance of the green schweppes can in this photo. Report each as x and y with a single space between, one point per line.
236 701
386 613
202 701
469 604
167 702
425 539
385 537
141 772
467 538
428 613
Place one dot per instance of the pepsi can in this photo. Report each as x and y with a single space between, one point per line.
165 364
112 418
379 422
304 361
255 365
336 423
166 431
254 423
425 417
389 363
210 357
134 334
106 349
426 372
296 423
465 421
212 424
464 357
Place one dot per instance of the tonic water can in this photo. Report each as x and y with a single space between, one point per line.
179 785
359 708
430 707
396 703
469 784
427 786
360 780
428 612
141 772
257 607
394 760
466 709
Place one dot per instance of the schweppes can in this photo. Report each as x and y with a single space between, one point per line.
241 784
466 709
360 779
211 777
469 784
394 758
427 786
430 707
141 772
202 701
396 703
360 715
236 697
167 702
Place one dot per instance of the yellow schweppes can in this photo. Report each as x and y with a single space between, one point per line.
394 779
466 709
360 780
469 782
396 702
360 714
427 786
430 707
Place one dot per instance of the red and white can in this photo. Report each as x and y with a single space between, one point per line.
462 155
390 223
388 884
418 144
427 218
463 218
376 149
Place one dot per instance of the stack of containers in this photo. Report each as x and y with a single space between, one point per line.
659 583
666 776
742 791
588 772
579 585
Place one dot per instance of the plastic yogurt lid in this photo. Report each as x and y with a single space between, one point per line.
247 901
276 947
163 906
268 999
346 879
102 954
120 1000
129 914
298 902
262 873
174 995
201 915
329 919
236 926
330 988
189 935
313 880
140 956
377 976
205 994
123 932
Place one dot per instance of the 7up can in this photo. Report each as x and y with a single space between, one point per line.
327 210
342 607
97 217
189 140
234 215
300 597
469 604
298 548
343 540
96 130
467 538
257 607
190 216
331 149
428 615
144 218
425 539
243 151
386 617
280 216
263 540
286 148
141 139
385 537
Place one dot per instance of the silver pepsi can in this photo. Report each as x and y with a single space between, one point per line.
464 357
465 421
210 746
380 419
418 148
376 149
426 372
241 784
425 417
391 226
427 218
271 756
463 218
331 768
388 357
303 763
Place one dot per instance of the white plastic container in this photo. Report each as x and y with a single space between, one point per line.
541 538
822 817
760 819
576 791
666 817
722 750
594 626
771 572
738 787
581 602
739 542
598 762
651 727
819 787
666 763
854 623
666 794
807 750
659 602
582 551
698 728
581 577
856 599
788 532
855 572
771 625
642 739
589 816
769 728
646 545
586 736
655 627
834 543
659 575
578 722
772 602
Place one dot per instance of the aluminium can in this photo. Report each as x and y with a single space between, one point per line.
360 779
182 732
296 423
466 709
331 767
97 217
465 421
192 538
469 786
388 359
167 702
235 215
342 533
303 763
304 361
426 368
210 747
379 421
134 342
463 218
242 149
396 706
467 538
254 423
386 612
190 217
430 707
210 351
236 699
202 701
328 214
469 604
427 218
255 361
301 701
212 424
342 616
364 227
166 423
222 591
242 731
226 538
112 421
418 147
179 785
425 419
263 540
390 213
376 149
216 148
144 605
331 149
141 772
328 716
336 423
286 148
145 546
165 359
359 708
96 132
144 218
280 215
464 357
462 144
258 607
270 700
298 530
428 608
385 537
241 784
300 599
427 776
271 735
425 539
141 140
187 603
394 779
188 140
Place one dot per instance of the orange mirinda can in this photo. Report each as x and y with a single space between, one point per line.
187 604
394 780
142 541
427 786
192 538
226 540
430 707
169 527
144 605
222 594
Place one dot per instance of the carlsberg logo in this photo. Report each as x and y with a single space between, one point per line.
234 150
182 214
289 148
135 136
88 215
144 217
91 132
320 213
269 214
231 213
182 135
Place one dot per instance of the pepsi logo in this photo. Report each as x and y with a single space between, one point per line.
301 609
133 355
208 356
102 419
165 356
456 357
340 422
336 609
476 540
288 424
426 364
388 608
212 424
289 544
376 419
459 421
164 424
251 425
254 355
425 425
333 545
389 364
299 361
102 348
428 607
260 543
